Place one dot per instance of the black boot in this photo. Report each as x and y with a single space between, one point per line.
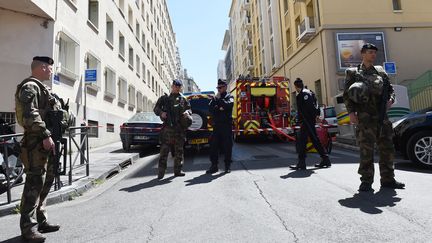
365 187
161 174
47 227
179 173
33 236
301 165
325 163
213 169
228 167
393 184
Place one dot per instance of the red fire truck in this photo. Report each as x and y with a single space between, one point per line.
261 107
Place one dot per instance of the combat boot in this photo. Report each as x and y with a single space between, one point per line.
365 187
179 173
393 184
161 174
325 163
301 165
227 168
33 237
213 169
47 227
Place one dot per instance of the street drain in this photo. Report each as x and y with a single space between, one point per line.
265 156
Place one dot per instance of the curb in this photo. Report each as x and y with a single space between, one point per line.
76 189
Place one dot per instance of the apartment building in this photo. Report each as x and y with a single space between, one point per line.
129 44
319 39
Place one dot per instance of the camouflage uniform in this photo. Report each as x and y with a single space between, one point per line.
36 101
173 133
367 128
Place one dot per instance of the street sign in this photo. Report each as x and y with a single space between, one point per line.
90 75
390 67
56 79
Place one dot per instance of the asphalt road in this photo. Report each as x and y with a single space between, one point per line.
260 201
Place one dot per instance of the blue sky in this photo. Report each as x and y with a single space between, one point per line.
200 27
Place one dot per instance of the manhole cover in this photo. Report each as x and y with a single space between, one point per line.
265 156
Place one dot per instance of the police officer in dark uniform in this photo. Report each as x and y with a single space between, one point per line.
308 112
221 107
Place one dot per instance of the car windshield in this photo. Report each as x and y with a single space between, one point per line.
200 104
329 112
145 117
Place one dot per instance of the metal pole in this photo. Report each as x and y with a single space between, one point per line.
83 135
88 158
6 160
70 155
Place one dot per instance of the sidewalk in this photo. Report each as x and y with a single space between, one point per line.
105 161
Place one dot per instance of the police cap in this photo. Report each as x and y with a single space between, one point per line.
222 82
177 82
369 46
47 60
298 82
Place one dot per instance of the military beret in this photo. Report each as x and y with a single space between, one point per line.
369 46
177 82
47 60
221 82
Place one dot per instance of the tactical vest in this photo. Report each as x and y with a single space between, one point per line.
19 109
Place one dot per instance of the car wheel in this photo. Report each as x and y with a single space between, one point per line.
419 148
126 146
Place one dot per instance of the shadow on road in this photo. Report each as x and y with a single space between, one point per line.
152 183
412 167
16 239
370 202
202 179
299 174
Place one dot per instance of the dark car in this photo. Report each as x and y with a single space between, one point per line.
141 129
413 136
198 134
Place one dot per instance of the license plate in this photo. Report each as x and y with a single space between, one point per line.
198 141
141 138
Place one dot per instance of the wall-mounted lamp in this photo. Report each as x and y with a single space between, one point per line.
398 29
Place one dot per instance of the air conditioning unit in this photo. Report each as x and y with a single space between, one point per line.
248 22
250 65
306 29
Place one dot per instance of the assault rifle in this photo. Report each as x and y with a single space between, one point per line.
385 96
167 107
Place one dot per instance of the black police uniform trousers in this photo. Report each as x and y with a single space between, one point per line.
307 129
221 140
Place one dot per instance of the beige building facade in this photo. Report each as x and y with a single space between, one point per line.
319 39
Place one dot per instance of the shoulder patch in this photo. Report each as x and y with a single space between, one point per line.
306 97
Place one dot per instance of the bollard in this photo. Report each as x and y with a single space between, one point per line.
83 148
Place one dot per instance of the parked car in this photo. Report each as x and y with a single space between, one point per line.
198 134
143 128
329 118
413 136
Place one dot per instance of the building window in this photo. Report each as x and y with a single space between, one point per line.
143 40
68 57
139 102
272 52
8 118
138 65
137 30
121 46
286 6
131 57
130 17
153 84
397 6
109 30
93 12
122 88
143 73
93 131
110 127
110 89
148 78
122 6
131 99
93 62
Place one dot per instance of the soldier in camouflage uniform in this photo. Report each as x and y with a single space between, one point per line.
33 101
364 86
175 112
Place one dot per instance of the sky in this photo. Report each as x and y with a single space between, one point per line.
200 27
